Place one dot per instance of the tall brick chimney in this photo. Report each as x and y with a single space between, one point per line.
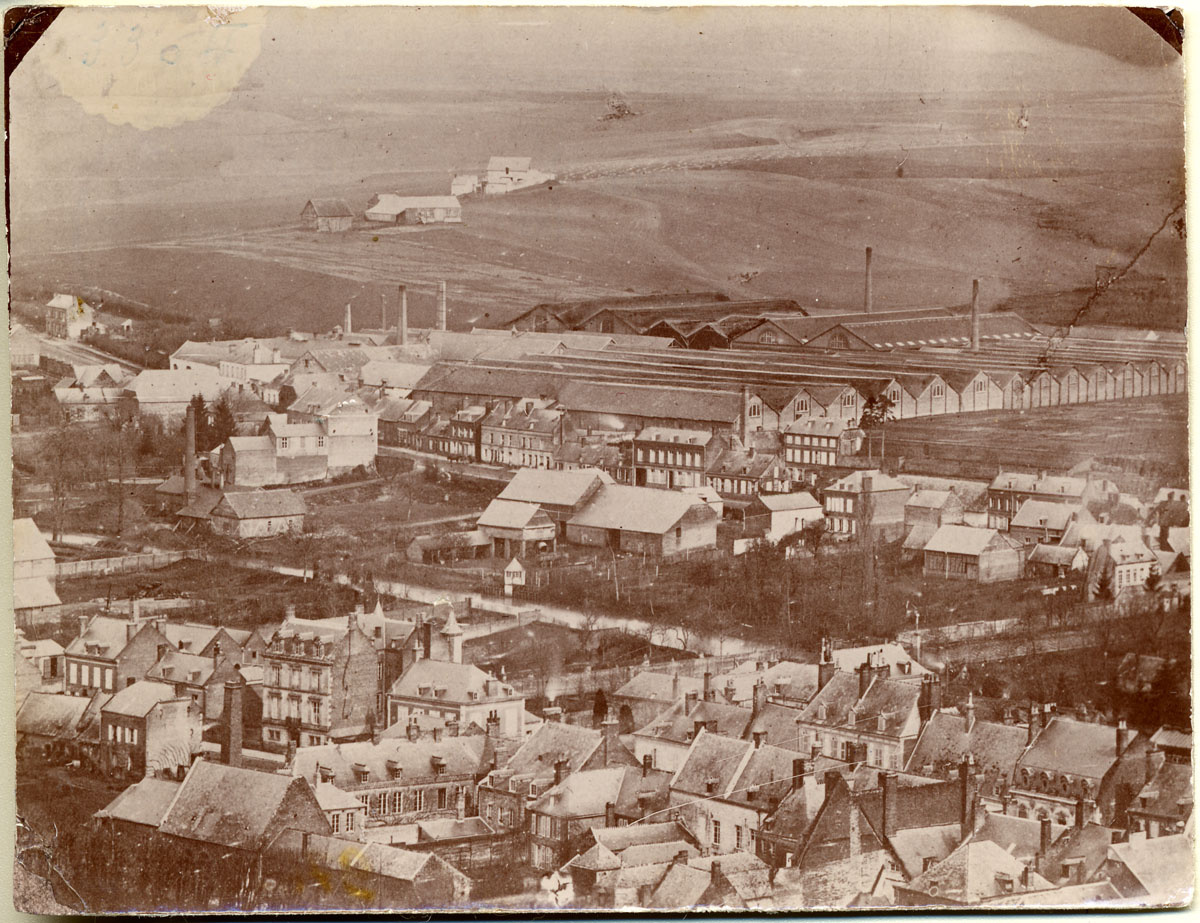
189 456
442 312
611 744
825 667
346 327
890 808
231 741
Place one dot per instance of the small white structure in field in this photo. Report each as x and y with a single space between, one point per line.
430 209
514 575
464 184
504 174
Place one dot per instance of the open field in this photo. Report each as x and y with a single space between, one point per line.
1148 434
695 194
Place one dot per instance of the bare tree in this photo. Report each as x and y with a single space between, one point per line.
62 460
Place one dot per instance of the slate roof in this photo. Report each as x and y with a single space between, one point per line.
1033 512
700 437
1056 555
929 499
230 806
1069 897
712 757
332 798
968 874
879 481
551 742
967 540
584 793
945 742
136 701
681 886
260 504
1169 793
900 662
677 723
650 401
103 630
1173 738
919 535
1018 836
411 759
513 514
28 542
662 686
178 667
553 488
457 679
145 802
373 859
45 714
892 700
393 373
1074 747
1163 865
639 509
939 331
174 385
34 593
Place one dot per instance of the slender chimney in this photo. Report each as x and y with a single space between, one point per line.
231 743
346 327
441 315
1080 813
710 694
970 711
383 312
1122 737
403 322
867 287
968 795
189 456
1047 837
608 730
975 315
826 667
890 808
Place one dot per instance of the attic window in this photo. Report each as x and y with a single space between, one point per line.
822 713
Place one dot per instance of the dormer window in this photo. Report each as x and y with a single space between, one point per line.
822 712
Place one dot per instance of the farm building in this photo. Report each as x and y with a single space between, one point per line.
517 527
783 514
464 184
68 316
642 520
255 513
505 174
34 570
166 393
24 350
398 209
980 555
327 215
445 547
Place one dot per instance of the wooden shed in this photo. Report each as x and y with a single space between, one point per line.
327 215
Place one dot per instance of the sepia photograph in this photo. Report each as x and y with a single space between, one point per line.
559 459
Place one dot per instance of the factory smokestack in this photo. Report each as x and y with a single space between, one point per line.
189 456
403 315
975 315
383 311
867 287
346 328
441 320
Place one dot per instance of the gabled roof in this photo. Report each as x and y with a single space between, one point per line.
553 488
945 742
968 540
410 760
778 503
713 765
1163 865
178 667
1039 514
1057 555
662 686
651 401
969 874
107 633
550 742
387 203
879 481
929 499
677 724
584 793
893 701
230 806
393 373
513 514
136 701
145 802
260 504
457 681
639 509
330 208
1074 747
1169 793
45 714
28 542
375 860
520 164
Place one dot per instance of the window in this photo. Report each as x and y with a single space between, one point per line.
980 385
419 800
768 336
938 390
350 821
737 837
283 442
441 799
801 405
839 341
848 399
335 820
716 833
755 410
74 671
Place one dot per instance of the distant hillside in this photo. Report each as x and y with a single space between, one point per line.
1135 301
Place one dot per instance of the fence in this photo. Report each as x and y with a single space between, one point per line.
121 565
